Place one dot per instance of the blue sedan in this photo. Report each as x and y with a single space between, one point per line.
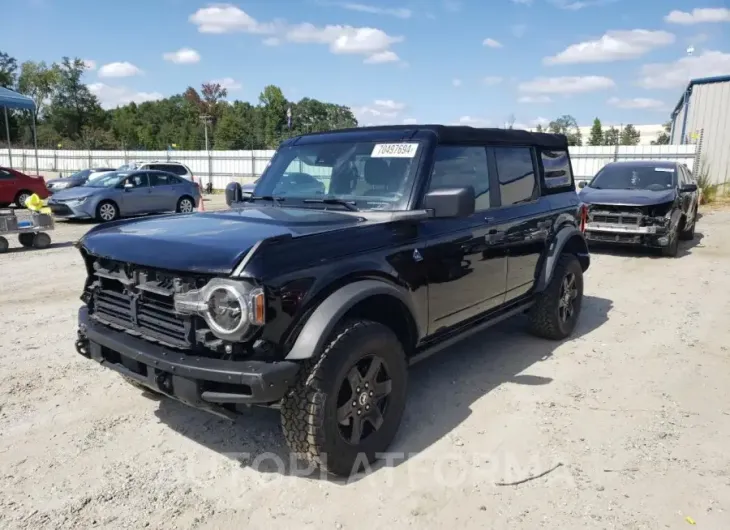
124 193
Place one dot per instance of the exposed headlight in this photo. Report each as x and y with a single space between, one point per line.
59 185
229 307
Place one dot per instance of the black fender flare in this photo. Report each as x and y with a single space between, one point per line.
322 321
562 238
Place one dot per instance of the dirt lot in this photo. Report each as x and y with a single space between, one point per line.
636 408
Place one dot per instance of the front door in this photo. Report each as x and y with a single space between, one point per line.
465 265
135 195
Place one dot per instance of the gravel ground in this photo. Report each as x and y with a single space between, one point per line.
634 412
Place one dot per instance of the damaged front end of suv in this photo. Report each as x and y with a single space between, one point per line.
649 226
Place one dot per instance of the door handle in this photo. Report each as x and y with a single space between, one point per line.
489 219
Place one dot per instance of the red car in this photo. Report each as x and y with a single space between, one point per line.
16 187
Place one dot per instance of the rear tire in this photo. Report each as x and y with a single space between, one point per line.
107 211
557 308
346 406
185 205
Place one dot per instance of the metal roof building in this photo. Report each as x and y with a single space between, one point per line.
703 116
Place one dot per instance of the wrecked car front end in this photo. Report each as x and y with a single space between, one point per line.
648 226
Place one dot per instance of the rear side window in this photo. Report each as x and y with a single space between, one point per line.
516 171
558 174
162 179
458 167
6 175
175 169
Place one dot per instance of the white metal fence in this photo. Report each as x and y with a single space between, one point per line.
244 166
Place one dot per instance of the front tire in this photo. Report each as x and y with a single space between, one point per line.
672 249
107 211
347 405
557 308
689 233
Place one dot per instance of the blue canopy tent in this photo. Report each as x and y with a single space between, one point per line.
13 100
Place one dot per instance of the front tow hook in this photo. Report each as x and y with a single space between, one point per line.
82 345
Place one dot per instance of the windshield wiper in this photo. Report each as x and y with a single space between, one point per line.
350 205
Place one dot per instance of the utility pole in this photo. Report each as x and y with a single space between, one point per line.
206 119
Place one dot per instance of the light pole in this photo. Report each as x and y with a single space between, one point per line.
206 119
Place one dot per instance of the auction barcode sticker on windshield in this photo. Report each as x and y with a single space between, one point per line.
394 151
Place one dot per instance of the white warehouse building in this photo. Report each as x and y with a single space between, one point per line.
703 116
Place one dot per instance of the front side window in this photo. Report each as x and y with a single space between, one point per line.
634 177
369 175
516 170
138 180
459 167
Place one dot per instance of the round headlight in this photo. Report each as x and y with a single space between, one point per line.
227 310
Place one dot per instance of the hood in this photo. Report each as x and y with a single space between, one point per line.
626 197
71 182
77 192
212 242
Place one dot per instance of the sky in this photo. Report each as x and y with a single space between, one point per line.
475 62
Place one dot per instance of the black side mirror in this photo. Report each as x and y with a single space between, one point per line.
582 184
233 193
451 202
688 188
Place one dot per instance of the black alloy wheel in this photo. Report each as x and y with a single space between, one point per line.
568 294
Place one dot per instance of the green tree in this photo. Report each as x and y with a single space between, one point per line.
8 69
611 136
568 126
239 128
274 111
630 136
73 106
38 81
596 137
539 128
664 136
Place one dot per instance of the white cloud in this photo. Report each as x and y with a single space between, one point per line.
473 121
534 99
410 121
272 41
575 5
531 124
112 96
182 56
522 2
456 82
492 80
699 16
120 69
89 64
373 43
492 43
519 30
228 83
678 73
380 112
399 12
387 56
637 103
613 46
566 85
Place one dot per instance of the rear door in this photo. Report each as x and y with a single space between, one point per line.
8 186
466 271
165 190
522 218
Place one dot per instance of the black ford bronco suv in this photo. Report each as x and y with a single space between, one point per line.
359 252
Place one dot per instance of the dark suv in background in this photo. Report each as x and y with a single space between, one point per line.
359 252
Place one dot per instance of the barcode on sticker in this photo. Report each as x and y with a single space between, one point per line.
665 169
394 151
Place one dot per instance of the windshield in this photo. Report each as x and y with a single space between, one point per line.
626 177
367 175
107 180
127 167
80 175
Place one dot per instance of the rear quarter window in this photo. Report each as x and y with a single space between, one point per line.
557 172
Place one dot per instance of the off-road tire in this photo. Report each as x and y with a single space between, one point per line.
309 410
544 317
689 234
